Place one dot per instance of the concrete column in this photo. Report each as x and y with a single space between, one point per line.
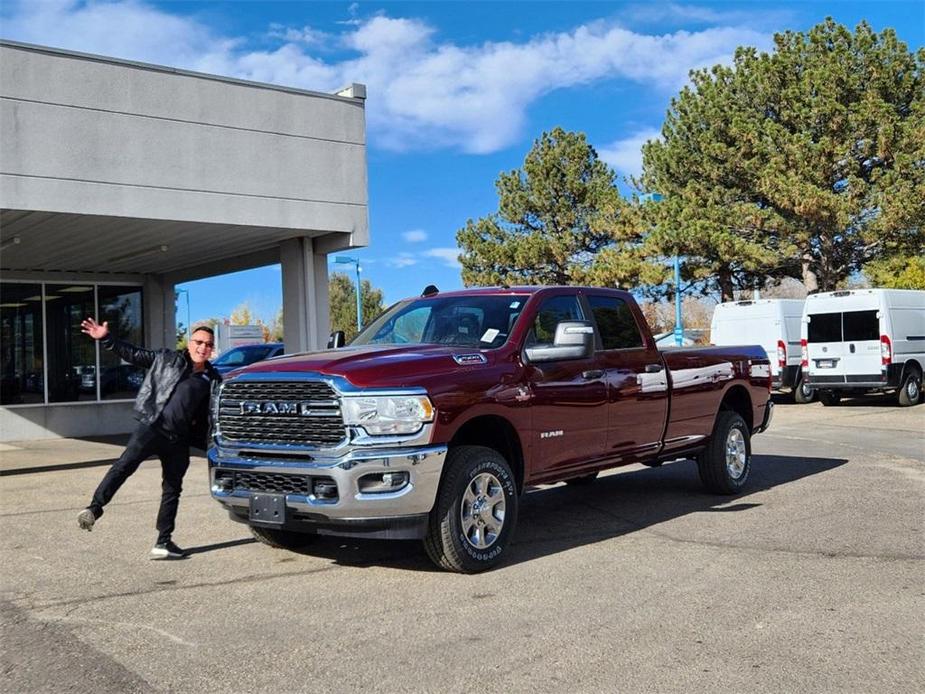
305 295
160 313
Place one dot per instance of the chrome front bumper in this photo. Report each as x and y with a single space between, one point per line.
424 465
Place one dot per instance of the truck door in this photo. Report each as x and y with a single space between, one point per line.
636 406
569 397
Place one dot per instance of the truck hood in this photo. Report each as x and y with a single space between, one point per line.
379 366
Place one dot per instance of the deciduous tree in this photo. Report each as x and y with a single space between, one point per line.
342 297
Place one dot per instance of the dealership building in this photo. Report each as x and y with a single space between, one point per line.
120 180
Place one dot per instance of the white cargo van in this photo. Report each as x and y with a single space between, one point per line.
775 325
864 340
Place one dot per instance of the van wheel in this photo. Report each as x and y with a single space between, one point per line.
282 539
476 511
803 393
828 398
726 461
911 391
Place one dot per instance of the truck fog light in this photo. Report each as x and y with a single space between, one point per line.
379 482
325 490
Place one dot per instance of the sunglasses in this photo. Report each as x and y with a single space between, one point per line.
203 343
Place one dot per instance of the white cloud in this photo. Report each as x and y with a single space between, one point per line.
449 256
402 260
625 155
423 93
414 236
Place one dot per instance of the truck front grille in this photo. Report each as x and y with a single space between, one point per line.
301 413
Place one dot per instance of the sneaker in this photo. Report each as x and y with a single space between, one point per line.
168 550
86 519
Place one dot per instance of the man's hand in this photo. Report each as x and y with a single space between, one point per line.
94 329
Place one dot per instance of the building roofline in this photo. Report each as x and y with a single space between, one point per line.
151 67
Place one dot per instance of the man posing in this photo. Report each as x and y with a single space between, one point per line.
172 412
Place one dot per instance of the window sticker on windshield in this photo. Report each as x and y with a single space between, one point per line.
490 335
515 304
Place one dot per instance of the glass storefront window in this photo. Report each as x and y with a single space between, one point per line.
22 378
121 308
71 354
71 357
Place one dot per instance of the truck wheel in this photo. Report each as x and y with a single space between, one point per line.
281 539
829 398
911 391
803 393
582 481
476 510
726 461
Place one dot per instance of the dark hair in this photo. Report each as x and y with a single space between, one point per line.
205 328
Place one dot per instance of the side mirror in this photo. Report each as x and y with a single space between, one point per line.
574 340
336 340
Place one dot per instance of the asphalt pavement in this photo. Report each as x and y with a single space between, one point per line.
811 581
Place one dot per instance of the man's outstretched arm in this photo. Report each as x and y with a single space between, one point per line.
139 356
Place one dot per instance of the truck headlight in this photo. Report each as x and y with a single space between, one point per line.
393 414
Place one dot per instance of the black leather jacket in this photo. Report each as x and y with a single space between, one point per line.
165 369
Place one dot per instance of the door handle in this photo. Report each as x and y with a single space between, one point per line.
592 374
654 368
851 347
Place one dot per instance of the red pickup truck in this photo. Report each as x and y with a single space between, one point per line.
431 423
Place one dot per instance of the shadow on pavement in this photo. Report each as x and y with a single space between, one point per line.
220 545
557 519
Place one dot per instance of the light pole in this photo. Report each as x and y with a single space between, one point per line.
189 327
356 263
678 325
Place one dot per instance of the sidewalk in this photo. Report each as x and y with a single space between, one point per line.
20 457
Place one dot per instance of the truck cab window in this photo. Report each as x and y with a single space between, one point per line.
615 322
552 311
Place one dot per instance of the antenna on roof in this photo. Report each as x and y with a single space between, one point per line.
430 290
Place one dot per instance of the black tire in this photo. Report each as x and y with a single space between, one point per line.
803 393
582 481
829 398
911 391
719 474
281 539
449 542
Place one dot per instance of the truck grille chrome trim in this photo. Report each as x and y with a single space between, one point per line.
305 413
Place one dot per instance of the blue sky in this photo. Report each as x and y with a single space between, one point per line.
457 91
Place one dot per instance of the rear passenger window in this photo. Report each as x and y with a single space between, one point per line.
615 322
824 327
552 311
861 325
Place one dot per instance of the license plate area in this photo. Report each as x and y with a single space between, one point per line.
268 508
825 363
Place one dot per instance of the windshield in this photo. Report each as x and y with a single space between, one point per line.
240 356
482 322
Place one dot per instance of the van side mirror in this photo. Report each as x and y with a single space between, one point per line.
336 340
574 340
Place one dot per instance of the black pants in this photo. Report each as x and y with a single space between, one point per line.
174 455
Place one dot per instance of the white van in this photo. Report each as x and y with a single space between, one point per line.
775 325
864 340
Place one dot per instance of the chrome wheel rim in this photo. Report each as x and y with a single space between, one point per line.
912 389
736 454
481 512
806 390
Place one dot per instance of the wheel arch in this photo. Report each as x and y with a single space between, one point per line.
738 400
495 432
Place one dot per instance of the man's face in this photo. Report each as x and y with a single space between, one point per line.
200 347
